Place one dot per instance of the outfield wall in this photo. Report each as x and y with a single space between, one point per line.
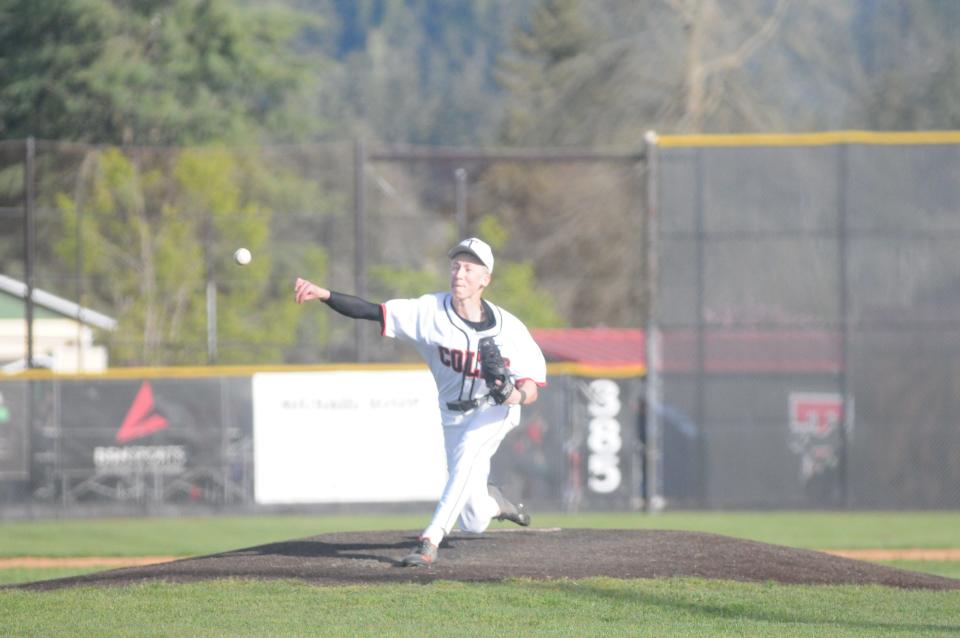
293 436
809 282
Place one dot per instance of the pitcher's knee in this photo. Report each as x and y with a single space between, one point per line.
473 522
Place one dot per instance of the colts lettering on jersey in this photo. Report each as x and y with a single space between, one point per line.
460 361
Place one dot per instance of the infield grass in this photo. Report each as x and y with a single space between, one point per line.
593 607
196 536
607 607
950 569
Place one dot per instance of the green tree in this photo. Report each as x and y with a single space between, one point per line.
544 62
514 285
152 72
573 221
415 71
153 232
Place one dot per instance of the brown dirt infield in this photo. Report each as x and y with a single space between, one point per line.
898 554
45 562
374 557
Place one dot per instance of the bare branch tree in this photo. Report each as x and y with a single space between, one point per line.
700 20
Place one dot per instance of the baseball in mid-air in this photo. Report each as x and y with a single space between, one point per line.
242 256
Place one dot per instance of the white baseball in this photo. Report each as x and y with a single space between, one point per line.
242 256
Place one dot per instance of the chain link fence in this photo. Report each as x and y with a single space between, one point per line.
809 312
804 301
145 236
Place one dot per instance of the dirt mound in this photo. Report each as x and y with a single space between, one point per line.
373 557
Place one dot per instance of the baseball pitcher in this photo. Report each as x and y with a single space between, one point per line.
486 365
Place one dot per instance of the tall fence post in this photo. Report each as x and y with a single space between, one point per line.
28 241
360 244
211 294
460 175
700 369
843 312
653 498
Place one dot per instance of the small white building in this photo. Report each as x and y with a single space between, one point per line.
63 331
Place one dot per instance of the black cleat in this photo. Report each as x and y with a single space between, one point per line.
508 511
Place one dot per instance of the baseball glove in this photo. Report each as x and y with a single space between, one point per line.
495 371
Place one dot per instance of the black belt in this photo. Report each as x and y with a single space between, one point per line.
465 405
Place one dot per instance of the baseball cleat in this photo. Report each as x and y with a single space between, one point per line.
424 554
508 511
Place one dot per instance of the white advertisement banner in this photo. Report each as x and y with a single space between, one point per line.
347 437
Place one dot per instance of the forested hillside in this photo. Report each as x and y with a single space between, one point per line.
207 124
479 72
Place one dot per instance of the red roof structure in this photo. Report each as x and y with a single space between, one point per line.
717 350
592 346
752 351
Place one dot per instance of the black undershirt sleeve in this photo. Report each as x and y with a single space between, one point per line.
354 307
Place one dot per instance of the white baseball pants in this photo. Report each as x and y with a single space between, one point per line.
470 446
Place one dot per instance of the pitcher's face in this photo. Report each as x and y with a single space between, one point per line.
468 277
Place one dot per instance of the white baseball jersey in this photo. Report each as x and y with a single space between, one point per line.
449 346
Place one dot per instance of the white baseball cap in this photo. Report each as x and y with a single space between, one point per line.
476 247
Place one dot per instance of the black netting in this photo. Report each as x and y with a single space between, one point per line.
809 304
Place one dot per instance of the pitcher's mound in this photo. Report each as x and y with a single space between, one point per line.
370 557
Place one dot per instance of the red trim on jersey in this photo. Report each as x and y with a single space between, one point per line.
383 320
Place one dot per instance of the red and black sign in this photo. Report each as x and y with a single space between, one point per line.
142 418
154 439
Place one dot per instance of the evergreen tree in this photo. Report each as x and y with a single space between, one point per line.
538 75
155 72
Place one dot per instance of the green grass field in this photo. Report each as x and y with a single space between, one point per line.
675 607
193 536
